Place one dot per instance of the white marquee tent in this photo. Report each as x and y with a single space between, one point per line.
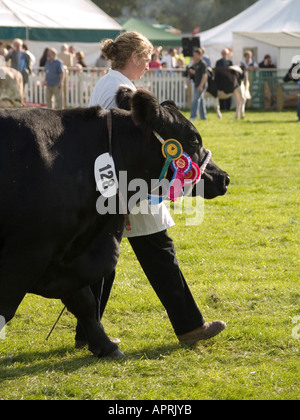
271 16
50 23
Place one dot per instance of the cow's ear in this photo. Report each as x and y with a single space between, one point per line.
169 104
123 98
146 111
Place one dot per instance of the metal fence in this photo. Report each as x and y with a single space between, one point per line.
269 91
267 88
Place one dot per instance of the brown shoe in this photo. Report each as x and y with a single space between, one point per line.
208 330
79 344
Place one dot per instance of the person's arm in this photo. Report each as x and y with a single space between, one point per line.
203 78
62 77
9 55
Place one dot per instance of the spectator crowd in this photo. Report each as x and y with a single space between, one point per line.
55 65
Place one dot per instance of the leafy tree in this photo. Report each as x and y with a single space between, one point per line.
115 8
182 14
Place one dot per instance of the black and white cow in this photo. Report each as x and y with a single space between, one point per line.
53 242
224 82
293 73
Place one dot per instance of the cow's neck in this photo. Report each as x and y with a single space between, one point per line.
134 151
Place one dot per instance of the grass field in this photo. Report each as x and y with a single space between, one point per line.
242 265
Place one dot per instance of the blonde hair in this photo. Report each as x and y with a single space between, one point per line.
120 50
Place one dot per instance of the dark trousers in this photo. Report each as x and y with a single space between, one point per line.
156 254
225 104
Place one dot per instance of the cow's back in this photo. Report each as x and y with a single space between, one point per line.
227 79
45 157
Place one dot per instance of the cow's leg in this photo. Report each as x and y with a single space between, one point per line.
9 306
82 304
15 281
243 107
12 293
217 108
238 102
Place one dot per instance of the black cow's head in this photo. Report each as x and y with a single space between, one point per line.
169 123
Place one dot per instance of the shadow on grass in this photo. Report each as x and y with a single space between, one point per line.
245 121
66 359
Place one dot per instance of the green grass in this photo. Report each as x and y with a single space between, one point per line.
242 265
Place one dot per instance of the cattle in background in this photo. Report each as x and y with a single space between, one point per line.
293 73
53 242
224 82
11 88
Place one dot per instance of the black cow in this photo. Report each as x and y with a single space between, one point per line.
53 242
224 82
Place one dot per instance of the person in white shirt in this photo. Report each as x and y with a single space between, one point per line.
169 59
248 62
130 54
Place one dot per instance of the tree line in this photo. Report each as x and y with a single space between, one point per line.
182 14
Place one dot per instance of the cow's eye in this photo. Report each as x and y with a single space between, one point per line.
194 142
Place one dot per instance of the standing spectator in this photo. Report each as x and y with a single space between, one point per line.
225 104
267 63
180 63
170 59
43 58
269 77
65 56
101 62
72 50
154 64
3 50
224 61
199 73
20 60
32 57
206 58
54 77
80 59
248 62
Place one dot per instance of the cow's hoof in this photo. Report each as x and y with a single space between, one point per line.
116 354
79 344
208 330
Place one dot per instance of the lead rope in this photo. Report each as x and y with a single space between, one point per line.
52 329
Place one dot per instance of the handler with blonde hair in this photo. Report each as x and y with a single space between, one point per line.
130 54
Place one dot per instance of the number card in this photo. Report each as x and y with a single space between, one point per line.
105 175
